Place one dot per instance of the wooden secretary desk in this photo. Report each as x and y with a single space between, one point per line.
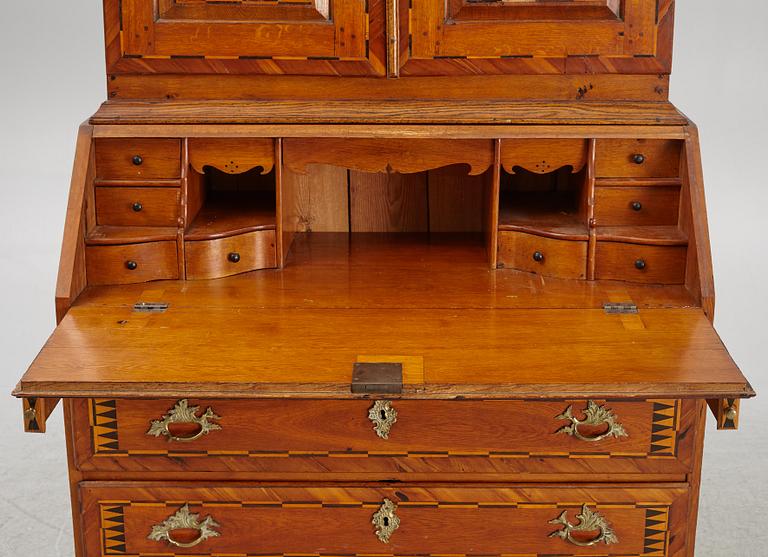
405 278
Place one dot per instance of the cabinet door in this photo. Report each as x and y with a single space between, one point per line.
446 37
305 37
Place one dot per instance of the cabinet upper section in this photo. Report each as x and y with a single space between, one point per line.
389 38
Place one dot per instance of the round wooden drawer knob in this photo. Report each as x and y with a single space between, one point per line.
640 264
131 265
638 158
137 207
234 257
137 160
538 257
636 206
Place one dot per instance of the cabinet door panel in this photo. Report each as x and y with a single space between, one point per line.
538 37
246 36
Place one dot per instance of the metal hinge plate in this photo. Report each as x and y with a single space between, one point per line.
612 308
377 378
150 307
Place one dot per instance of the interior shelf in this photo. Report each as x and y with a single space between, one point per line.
108 235
650 235
231 213
551 213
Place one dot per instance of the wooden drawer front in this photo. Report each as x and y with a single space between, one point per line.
637 158
223 257
111 264
138 519
637 206
121 206
638 263
132 159
339 436
556 258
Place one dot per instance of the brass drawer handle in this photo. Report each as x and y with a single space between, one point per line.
383 416
589 521
386 520
184 520
594 415
183 413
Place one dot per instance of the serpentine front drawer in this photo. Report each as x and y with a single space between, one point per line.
397 438
223 519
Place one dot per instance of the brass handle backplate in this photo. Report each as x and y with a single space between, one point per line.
594 415
383 415
589 521
183 413
184 520
385 520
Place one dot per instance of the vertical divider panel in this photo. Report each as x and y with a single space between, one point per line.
183 221
492 188
590 206
283 237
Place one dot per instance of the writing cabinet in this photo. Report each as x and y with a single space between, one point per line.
412 279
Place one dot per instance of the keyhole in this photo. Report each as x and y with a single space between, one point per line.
386 521
383 415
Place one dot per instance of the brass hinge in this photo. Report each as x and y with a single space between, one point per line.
150 307
612 308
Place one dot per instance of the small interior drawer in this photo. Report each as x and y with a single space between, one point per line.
128 206
221 257
545 256
136 159
637 158
640 263
125 264
642 206
299 519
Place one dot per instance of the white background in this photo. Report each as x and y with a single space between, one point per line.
51 79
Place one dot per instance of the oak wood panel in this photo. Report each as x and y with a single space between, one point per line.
386 110
456 200
388 202
154 261
561 258
206 259
71 279
662 264
482 433
156 206
232 156
525 353
615 158
317 200
160 159
698 277
658 206
333 271
629 86
470 520
388 155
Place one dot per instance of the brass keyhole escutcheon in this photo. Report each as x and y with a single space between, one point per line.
386 520
383 415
